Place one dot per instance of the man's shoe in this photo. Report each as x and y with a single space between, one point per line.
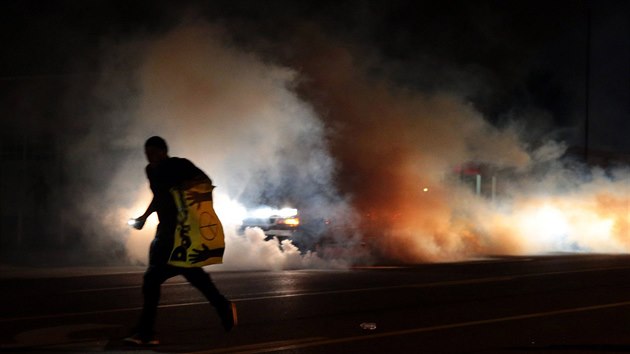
139 340
229 316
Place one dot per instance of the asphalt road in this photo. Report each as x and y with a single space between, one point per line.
563 304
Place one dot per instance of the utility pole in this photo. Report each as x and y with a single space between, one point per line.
587 81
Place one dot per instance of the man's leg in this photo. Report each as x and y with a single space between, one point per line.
153 279
225 308
156 274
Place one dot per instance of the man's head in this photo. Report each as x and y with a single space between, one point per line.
155 149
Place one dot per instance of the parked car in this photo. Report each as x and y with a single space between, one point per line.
281 223
304 230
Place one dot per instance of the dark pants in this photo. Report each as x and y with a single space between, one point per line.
159 271
158 274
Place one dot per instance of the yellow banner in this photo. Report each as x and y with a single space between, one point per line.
199 238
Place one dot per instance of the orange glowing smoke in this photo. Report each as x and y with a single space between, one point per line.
595 221
452 223
392 143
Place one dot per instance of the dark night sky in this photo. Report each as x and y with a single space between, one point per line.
509 58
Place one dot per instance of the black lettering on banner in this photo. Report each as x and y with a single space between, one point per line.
180 253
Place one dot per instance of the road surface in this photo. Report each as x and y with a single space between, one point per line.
561 303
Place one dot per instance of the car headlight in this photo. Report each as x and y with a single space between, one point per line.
293 221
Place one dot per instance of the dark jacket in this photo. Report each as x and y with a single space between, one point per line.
172 172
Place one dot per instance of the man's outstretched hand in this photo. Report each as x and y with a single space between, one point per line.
137 223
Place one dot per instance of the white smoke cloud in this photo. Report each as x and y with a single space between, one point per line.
238 119
251 251
393 152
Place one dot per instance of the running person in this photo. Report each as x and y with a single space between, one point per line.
165 172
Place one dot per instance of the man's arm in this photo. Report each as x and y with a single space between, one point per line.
139 223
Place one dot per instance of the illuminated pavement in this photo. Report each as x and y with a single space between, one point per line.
559 304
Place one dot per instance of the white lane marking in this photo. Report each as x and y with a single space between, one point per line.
329 341
315 293
71 314
434 284
11 273
116 288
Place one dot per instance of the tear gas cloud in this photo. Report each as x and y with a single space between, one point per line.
395 143
356 149
238 119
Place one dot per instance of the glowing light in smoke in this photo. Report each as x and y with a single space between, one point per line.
574 222
137 241
266 212
545 226
291 221
230 211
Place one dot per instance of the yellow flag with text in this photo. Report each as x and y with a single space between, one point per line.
199 238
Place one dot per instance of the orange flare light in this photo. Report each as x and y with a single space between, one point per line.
294 221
